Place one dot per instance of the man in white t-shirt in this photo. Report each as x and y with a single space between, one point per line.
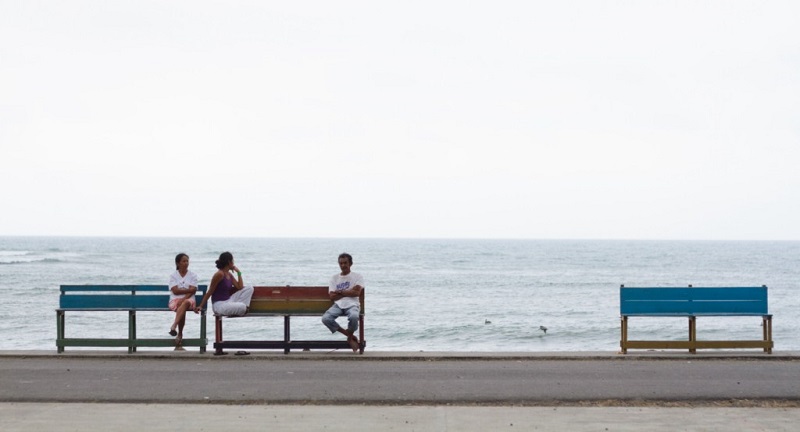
345 289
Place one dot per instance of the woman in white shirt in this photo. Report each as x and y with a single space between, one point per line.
182 287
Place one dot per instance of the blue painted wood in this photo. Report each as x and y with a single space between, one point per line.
96 301
694 293
693 301
113 288
101 297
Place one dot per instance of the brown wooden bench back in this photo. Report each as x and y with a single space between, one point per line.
292 300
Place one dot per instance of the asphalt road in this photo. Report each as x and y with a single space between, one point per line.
357 380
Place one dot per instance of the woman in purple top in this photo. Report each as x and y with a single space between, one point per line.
229 296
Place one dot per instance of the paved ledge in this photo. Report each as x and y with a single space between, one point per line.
403 379
412 355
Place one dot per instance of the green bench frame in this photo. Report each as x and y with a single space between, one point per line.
692 302
121 298
288 301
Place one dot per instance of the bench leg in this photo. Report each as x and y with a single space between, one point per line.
203 332
60 330
218 333
131 331
623 341
766 324
286 333
361 340
692 334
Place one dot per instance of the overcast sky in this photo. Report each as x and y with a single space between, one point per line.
478 119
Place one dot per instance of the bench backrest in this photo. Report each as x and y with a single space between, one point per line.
103 297
292 300
690 301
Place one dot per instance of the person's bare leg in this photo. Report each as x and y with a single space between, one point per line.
180 319
180 313
172 331
352 340
181 324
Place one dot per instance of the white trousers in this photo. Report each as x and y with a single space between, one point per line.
236 305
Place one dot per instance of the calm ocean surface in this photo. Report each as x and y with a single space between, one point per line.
422 295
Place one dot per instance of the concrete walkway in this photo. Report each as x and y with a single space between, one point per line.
166 390
27 417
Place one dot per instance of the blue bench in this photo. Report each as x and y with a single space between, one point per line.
692 302
121 298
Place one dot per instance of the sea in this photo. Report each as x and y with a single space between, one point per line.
427 295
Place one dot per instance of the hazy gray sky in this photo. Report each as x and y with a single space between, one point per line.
509 119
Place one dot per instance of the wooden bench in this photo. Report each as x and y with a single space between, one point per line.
116 298
692 302
288 301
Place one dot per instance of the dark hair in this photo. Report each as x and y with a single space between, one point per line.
348 256
225 258
178 259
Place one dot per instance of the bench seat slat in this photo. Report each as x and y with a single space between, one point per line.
109 342
112 288
685 344
262 344
281 313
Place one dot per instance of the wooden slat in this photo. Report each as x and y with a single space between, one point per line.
716 344
694 293
115 297
290 307
113 288
652 344
290 300
310 344
729 293
280 313
654 293
105 342
290 292
96 301
116 302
